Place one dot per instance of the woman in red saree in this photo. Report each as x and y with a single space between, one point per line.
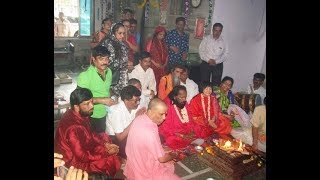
205 112
159 53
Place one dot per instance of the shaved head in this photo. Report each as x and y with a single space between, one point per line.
155 102
157 110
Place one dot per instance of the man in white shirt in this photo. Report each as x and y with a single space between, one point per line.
144 101
191 86
145 75
256 87
121 115
213 51
63 26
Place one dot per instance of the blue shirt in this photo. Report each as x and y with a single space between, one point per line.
173 38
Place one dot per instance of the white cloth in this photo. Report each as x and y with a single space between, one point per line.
211 48
118 118
258 120
261 91
63 28
144 101
146 78
192 88
240 115
245 134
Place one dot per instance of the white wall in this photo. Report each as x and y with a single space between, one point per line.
244 29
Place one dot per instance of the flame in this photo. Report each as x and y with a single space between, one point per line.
227 145
240 146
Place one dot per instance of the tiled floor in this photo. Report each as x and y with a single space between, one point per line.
193 168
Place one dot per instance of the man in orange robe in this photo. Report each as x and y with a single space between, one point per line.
167 82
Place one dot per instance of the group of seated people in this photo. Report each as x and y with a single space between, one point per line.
132 131
143 127
132 115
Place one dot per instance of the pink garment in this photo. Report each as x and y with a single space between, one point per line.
143 150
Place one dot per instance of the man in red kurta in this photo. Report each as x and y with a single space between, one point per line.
79 145
177 128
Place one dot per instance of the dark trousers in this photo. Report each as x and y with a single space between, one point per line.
98 125
122 146
215 71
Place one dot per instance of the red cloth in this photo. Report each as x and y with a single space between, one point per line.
204 130
172 125
132 40
224 126
159 29
83 148
159 53
97 37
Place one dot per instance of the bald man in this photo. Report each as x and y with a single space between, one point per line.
146 158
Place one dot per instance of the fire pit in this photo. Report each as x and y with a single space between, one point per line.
230 158
233 147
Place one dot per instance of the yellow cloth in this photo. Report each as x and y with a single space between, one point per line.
259 120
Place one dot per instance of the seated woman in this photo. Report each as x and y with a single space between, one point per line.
229 109
206 113
224 94
177 128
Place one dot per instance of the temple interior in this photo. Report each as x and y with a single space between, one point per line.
244 31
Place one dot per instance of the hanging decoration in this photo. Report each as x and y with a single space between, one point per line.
140 6
153 3
113 9
121 6
109 8
163 11
106 9
102 2
211 7
146 12
199 30
186 12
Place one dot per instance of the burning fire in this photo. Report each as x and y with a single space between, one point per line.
232 146
240 146
227 145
